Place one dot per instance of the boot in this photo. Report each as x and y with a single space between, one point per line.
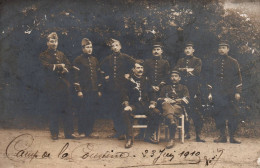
233 140
222 138
170 144
129 143
198 139
172 130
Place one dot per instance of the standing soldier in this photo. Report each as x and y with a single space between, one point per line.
57 67
173 98
115 68
87 84
190 68
226 84
157 69
139 98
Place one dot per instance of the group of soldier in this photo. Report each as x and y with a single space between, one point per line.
133 86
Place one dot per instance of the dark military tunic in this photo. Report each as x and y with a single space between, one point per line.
116 66
225 79
139 94
157 70
87 80
191 81
57 87
88 75
180 94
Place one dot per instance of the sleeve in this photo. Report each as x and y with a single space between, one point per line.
76 75
104 66
186 95
197 67
166 72
162 95
45 62
178 67
146 68
237 77
150 91
125 93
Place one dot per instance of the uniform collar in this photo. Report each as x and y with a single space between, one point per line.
52 51
157 58
175 85
86 55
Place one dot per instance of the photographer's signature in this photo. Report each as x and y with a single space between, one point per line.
21 149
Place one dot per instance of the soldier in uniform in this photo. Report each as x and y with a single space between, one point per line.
87 84
57 68
139 98
156 68
226 84
115 68
173 99
190 67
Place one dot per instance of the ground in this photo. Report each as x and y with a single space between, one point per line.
32 148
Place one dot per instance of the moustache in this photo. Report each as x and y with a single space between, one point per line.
140 71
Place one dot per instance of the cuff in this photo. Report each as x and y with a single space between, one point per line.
54 67
153 103
77 87
185 100
76 68
239 88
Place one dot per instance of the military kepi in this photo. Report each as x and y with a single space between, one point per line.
52 35
157 44
175 72
85 41
223 43
189 44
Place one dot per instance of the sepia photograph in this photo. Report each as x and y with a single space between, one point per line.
129 83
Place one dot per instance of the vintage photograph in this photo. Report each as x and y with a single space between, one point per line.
129 83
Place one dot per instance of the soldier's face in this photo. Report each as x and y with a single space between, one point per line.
87 49
116 47
157 51
189 50
175 78
52 44
223 50
138 70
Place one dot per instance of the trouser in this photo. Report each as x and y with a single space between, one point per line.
88 112
59 102
194 113
172 113
140 108
228 112
113 103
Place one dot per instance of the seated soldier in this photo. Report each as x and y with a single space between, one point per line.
139 98
173 98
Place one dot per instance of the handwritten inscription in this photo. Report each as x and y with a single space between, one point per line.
21 149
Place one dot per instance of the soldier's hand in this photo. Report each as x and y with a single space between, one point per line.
60 66
237 96
190 69
99 94
127 76
107 77
128 108
156 88
152 106
65 70
210 97
80 94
